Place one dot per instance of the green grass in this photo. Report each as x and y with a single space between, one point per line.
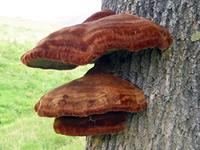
33 133
21 87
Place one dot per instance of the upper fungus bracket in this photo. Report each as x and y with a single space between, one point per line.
99 15
101 33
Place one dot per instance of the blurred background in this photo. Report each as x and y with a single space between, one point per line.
22 24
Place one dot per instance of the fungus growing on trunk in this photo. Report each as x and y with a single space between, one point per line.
86 105
108 123
96 103
101 33
100 14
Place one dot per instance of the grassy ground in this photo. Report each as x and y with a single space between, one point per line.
21 87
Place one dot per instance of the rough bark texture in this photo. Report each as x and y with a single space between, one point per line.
171 80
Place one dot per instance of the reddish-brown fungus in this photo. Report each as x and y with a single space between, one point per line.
108 123
100 14
92 94
84 43
91 105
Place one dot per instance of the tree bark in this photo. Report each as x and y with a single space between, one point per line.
170 80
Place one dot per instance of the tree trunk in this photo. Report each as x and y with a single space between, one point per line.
170 80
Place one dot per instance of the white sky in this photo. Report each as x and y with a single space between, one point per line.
49 10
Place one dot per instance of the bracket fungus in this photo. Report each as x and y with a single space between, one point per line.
86 105
96 103
108 123
101 33
100 14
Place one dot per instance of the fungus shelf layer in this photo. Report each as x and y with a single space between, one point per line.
92 125
91 105
101 33
92 94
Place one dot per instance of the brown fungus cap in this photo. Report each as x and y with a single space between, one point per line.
84 43
47 61
92 94
107 123
100 14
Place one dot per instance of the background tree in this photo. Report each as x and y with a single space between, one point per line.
171 80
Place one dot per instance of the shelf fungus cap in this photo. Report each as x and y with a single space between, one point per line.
101 33
51 51
108 123
92 94
91 105
99 15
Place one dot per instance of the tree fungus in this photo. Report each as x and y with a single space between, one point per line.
84 43
96 103
90 102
